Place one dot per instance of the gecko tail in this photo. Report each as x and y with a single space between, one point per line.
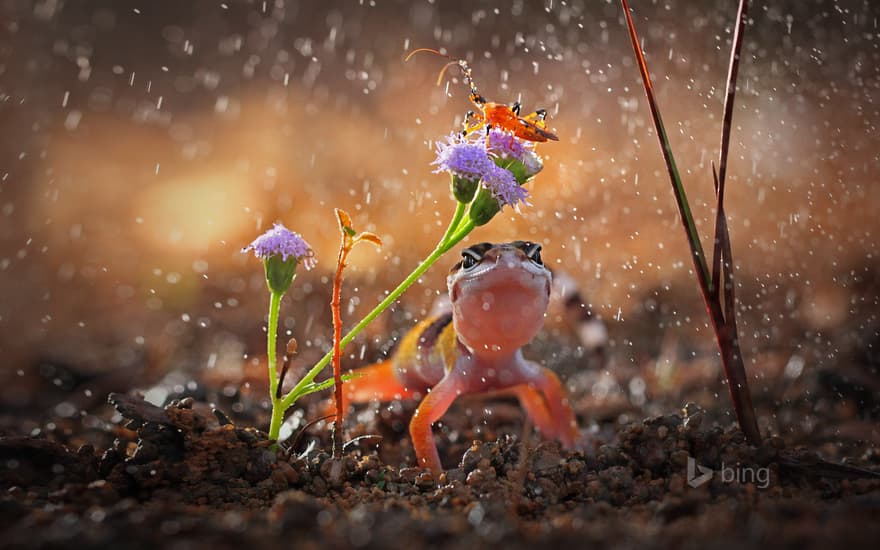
376 382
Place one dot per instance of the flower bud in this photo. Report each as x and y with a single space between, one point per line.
464 189
523 169
281 251
280 273
484 207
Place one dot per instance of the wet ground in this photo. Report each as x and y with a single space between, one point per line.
195 475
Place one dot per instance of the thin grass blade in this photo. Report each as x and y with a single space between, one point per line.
684 209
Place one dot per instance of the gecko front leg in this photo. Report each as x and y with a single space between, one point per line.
546 403
430 410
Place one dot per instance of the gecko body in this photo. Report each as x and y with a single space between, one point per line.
498 295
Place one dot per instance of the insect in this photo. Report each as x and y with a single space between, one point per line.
489 114
498 295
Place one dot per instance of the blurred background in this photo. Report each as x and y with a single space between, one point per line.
144 143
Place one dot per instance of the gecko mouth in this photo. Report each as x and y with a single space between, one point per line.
504 276
506 294
499 303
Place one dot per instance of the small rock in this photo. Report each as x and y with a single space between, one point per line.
693 422
289 472
425 479
474 455
455 474
334 471
480 476
546 456
279 479
319 486
409 474
136 409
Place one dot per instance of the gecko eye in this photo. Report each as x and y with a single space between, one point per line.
535 256
468 261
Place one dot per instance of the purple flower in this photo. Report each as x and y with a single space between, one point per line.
280 241
504 187
506 145
471 160
464 158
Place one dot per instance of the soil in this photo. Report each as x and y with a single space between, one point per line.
80 470
186 476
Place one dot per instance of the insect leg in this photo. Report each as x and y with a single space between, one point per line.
538 115
471 128
468 116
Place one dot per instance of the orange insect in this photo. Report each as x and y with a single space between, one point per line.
495 115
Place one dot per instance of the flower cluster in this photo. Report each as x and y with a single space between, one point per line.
463 158
280 241
281 251
504 187
505 145
500 161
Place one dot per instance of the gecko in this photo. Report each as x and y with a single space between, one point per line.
498 297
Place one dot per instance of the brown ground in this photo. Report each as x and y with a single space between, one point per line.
185 475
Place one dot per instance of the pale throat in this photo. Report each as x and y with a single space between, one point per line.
499 313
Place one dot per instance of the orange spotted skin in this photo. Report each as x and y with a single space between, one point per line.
499 294
427 353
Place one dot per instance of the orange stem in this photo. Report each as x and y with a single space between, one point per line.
344 248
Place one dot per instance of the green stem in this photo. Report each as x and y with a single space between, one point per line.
272 359
456 232
461 233
699 257
684 208
456 219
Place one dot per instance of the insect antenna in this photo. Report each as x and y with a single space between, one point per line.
466 73
443 70
460 63
429 50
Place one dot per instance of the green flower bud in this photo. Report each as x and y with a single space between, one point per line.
523 170
280 273
281 250
464 189
484 207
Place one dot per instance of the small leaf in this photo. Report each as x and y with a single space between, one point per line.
326 384
370 237
344 219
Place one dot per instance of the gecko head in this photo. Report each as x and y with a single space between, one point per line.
499 294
